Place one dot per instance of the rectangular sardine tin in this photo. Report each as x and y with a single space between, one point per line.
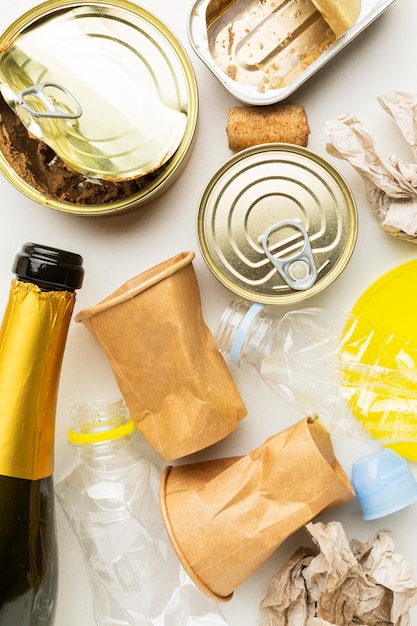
263 50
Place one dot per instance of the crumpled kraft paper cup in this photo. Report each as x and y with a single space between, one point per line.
175 383
226 517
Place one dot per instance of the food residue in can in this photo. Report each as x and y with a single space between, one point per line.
261 51
110 96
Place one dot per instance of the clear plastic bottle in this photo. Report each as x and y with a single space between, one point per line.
358 377
111 500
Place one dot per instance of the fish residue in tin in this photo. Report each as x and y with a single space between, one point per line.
267 43
263 50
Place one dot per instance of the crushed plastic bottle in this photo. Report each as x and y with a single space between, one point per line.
359 377
111 500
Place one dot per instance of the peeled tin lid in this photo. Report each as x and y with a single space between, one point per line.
277 224
102 86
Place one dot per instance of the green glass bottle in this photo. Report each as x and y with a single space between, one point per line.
32 341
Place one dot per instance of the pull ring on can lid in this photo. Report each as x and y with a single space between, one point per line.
38 92
299 271
253 211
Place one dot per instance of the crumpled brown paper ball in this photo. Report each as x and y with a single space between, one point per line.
341 583
391 184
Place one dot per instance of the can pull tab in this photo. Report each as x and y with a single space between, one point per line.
299 271
38 92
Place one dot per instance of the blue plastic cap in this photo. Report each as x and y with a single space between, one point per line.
383 483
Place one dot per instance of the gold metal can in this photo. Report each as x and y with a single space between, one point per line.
277 224
108 94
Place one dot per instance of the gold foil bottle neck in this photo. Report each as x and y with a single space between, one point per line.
32 342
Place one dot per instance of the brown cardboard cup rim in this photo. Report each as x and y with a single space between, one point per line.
180 554
138 284
321 444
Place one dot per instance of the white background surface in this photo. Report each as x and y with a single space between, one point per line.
114 249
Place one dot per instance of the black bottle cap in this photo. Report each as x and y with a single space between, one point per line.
49 268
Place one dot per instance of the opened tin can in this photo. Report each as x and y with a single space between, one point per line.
104 95
262 51
277 224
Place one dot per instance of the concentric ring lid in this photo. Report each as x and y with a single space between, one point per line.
277 224
102 85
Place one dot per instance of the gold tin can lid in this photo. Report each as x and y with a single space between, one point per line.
277 224
108 87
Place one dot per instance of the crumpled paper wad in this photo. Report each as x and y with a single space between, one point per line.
391 184
341 583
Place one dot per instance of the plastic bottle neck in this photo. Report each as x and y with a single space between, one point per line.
101 428
243 333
